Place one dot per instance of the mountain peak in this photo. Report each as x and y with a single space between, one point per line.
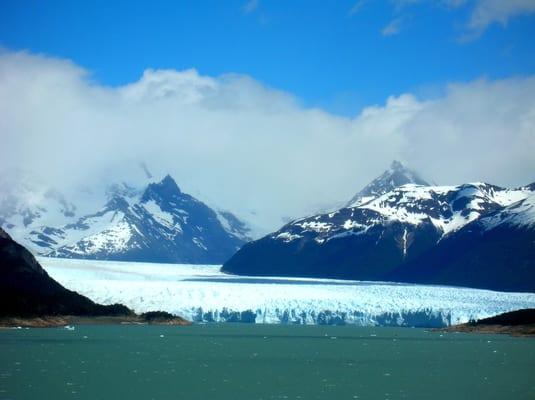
397 166
167 185
169 181
166 188
397 175
117 202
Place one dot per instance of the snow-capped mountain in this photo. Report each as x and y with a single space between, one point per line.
384 228
27 205
163 224
155 223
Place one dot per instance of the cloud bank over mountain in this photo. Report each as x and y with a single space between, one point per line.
249 148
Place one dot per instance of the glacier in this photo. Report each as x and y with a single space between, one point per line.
201 293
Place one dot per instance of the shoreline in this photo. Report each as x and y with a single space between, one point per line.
512 330
54 321
514 323
520 323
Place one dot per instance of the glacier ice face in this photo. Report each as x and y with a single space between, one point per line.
201 293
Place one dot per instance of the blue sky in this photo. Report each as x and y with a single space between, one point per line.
320 96
340 56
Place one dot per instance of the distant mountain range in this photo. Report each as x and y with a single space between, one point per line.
157 223
400 228
397 228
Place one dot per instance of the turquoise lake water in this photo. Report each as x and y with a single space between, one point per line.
236 362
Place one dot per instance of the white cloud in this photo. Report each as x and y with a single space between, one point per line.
251 6
357 7
250 148
487 12
393 27
483 13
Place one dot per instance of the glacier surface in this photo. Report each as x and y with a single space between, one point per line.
201 293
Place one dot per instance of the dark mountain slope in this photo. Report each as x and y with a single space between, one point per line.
344 254
495 252
26 290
